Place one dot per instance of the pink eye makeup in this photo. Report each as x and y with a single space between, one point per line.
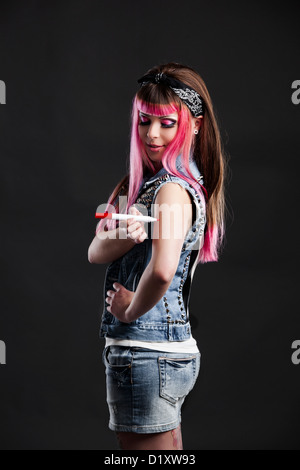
166 122
143 119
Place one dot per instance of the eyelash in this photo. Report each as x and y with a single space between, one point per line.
145 123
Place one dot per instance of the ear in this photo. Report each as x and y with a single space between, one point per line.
198 122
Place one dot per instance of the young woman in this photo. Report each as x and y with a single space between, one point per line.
176 174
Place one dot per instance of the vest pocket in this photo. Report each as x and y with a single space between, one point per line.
177 377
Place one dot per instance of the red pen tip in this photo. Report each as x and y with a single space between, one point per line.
101 215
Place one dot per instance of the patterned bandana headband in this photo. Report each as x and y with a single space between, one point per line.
187 94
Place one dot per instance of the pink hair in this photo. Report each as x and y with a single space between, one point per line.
138 161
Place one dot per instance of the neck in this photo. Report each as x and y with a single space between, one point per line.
157 165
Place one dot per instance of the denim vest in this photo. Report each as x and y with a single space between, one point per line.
168 320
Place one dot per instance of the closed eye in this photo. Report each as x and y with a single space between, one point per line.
169 123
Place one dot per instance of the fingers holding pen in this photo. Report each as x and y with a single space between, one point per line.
135 229
133 226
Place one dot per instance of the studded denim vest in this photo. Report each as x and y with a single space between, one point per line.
168 320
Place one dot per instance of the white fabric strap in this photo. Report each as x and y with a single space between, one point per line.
189 346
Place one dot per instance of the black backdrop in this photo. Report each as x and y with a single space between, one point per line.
70 70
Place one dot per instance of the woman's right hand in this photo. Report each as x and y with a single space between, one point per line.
135 229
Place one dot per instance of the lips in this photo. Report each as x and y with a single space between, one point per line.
154 146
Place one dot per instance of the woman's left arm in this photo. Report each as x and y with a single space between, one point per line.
174 210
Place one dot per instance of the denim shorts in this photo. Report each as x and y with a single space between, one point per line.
146 389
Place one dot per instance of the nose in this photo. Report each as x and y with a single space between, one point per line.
153 131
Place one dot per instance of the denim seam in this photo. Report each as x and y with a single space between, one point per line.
145 426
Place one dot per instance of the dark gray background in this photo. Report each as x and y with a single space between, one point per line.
70 69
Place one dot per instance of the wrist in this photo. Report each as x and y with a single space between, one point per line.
128 315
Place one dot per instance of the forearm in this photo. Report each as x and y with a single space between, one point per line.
150 290
108 246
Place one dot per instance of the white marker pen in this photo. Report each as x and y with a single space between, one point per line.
107 215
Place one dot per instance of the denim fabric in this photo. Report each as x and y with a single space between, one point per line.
146 389
168 320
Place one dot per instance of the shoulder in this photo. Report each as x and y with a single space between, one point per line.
172 202
172 191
